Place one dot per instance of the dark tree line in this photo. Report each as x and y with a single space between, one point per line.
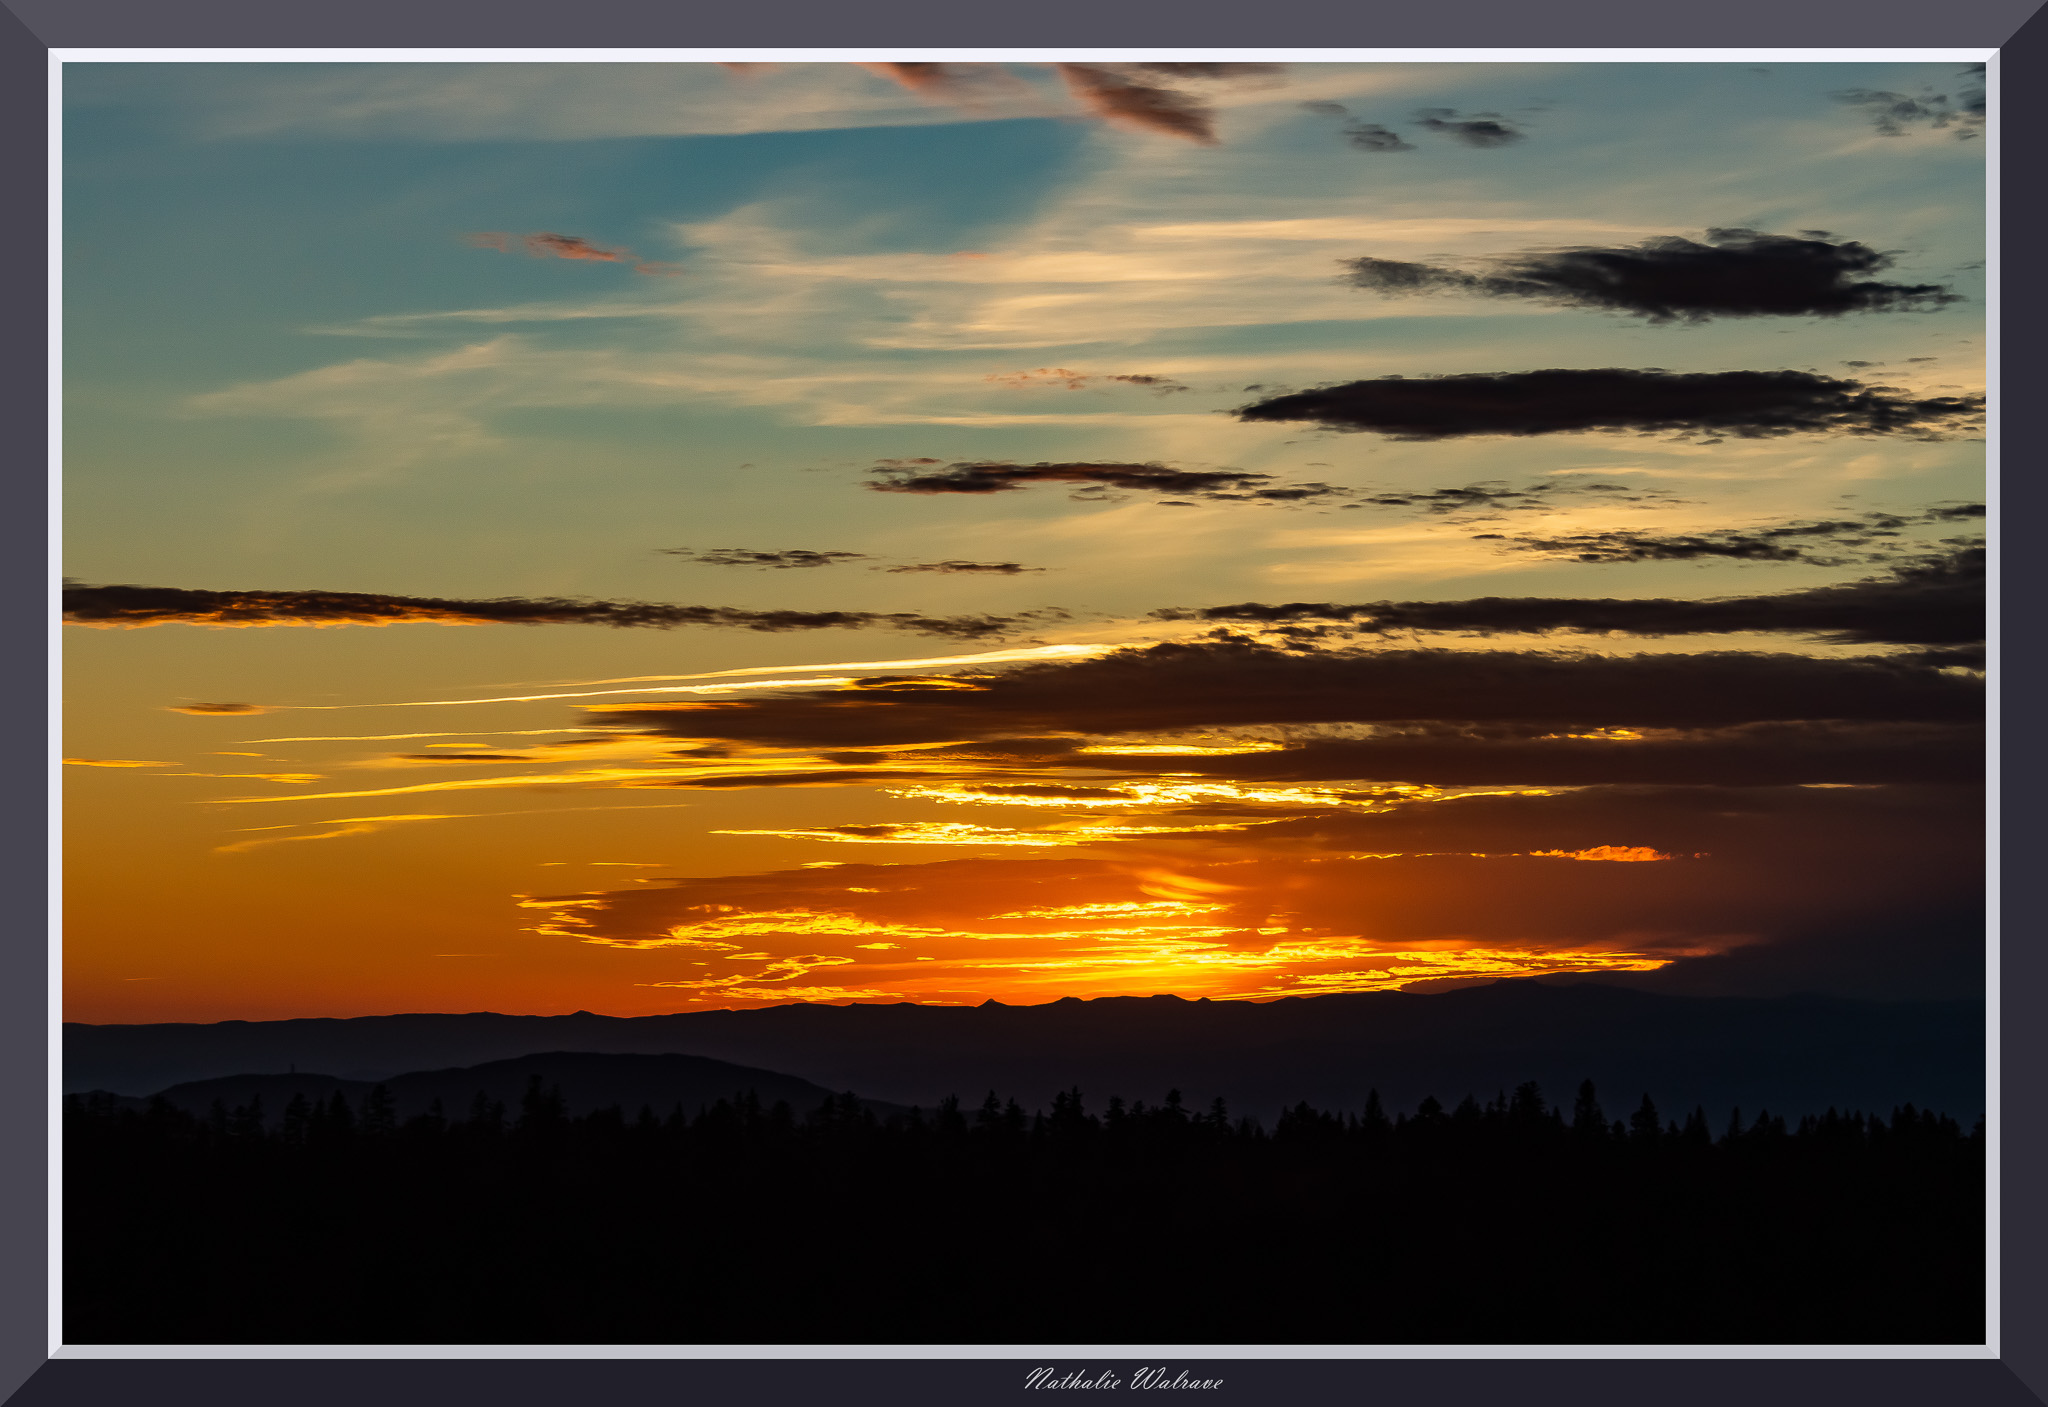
1507 1222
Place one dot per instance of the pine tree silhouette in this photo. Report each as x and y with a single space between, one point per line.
1644 1128
1588 1121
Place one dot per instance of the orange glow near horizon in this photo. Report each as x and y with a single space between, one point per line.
1186 933
1133 879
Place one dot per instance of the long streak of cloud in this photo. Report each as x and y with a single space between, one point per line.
1746 404
1936 601
132 606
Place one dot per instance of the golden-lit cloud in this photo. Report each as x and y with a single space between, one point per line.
718 925
1086 948
112 762
347 826
370 825
710 775
218 708
961 833
1145 794
1302 905
780 970
1403 969
393 737
1181 888
821 682
1162 908
1180 749
297 779
1022 653
1606 852
238 846
791 994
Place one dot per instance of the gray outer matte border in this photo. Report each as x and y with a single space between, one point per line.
35 25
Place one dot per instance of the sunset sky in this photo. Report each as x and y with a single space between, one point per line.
657 537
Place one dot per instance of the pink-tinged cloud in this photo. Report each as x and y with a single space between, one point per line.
1117 97
1130 93
556 246
544 245
947 82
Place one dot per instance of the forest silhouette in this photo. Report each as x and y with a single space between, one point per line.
1509 1222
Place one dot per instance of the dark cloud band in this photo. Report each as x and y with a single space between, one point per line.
1735 273
118 606
1935 601
1781 754
748 557
958 568
1748 404
1824 542
929 476
1226 683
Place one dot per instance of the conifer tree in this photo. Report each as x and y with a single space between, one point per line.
1644 1126
1589 1122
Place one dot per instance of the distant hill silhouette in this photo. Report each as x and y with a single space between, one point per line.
587 1082
1793 1055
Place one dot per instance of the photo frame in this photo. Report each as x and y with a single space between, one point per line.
65 1379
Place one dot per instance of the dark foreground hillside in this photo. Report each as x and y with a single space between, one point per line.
1510 1223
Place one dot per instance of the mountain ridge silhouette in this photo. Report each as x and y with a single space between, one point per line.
1792 1054
586 1081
